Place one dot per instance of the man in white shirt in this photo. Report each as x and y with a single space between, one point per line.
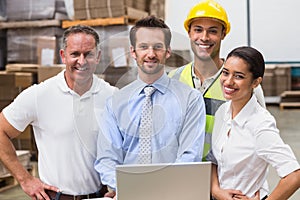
63 112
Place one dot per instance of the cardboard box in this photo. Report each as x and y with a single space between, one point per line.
46 50
8 93
16 79
21 67
91 9
108 42
282 74
47 72
6 79
119 51
20 10
4 103
157 8
22 43
24 79
277 79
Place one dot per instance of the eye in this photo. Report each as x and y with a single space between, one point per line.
225 73
198 29
143 47
89 55
74 54
213 31
239 76
158 47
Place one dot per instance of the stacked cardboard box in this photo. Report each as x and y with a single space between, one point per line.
22 43
277 79
115 47
45 72
157 8
39 73
12 83
91 9
8 90
14 80
20 10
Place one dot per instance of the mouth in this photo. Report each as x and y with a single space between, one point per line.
229 90
151 62
81 68
204 46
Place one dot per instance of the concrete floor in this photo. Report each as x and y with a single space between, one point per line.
287 122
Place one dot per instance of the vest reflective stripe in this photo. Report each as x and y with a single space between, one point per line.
210 120
213 98
212 105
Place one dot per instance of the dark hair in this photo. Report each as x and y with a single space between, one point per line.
252 57
150 22
80 29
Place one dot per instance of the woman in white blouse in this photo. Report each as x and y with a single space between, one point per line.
245 139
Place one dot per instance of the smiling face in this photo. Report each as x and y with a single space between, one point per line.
206 35
237 81
81 58
150 53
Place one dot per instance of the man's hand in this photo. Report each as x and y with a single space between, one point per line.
35 188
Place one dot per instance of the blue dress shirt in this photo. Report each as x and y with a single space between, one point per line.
178 126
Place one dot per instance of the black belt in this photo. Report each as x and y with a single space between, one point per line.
265 197
60 196
212 198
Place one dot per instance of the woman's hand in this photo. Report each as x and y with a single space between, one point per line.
243 197
228 194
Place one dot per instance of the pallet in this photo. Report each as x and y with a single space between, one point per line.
289 105
30 24
290 99
99 21
8 181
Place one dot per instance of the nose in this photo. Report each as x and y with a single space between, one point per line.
229 80
151 52
81 59
204 36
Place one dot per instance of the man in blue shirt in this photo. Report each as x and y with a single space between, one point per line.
178 115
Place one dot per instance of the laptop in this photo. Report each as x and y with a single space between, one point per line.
168 181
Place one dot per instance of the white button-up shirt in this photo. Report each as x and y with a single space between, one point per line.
254 142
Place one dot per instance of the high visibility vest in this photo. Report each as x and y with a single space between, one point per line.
213 98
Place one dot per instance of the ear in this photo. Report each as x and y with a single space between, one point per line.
98 56
256 82
62 56
168 52
223 34
189 33
132 52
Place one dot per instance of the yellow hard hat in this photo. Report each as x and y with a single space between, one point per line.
208 8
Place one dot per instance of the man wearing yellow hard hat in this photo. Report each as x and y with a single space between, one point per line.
207 25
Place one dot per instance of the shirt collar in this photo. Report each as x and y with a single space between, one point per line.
161 84
243 116
212 77
65 88
207 82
